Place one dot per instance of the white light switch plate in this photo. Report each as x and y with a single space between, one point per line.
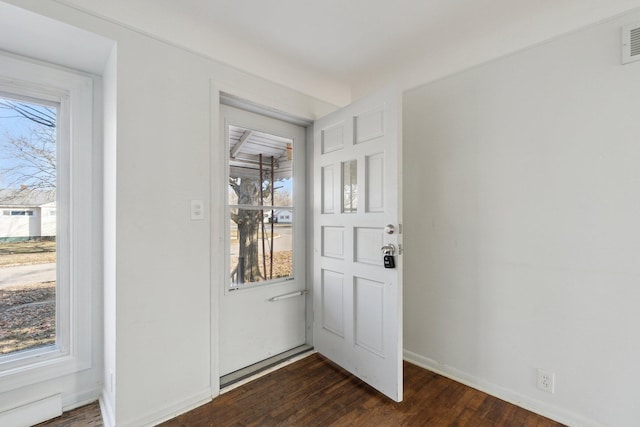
197 210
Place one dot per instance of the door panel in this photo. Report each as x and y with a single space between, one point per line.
358 302
256 322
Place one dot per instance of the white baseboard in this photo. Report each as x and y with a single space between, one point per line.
33 412
169 411
555 413
76 400
107 410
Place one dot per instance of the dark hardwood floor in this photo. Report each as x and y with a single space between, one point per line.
86 416
316 392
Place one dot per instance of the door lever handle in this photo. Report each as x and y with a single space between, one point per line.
289 295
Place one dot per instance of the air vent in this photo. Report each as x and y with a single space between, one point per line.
630 43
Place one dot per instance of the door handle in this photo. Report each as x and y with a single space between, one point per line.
289 295
388 249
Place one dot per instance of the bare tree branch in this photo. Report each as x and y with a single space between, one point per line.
44 116
30 159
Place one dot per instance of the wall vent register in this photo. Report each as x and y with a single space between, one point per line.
630 43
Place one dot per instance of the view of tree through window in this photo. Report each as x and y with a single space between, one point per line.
260 206
28 224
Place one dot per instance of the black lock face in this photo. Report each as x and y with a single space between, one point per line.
389 262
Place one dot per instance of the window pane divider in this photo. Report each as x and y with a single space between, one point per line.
261 207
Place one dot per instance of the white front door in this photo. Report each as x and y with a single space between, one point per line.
262 302
357 195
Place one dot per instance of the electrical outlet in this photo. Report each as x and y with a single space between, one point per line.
546 381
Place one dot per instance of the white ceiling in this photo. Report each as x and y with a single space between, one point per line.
354 44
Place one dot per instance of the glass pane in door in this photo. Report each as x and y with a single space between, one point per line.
260 206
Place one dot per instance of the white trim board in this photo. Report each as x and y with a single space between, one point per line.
107 410
541 408
170 410
33 412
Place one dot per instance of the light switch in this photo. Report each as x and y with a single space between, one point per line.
197 210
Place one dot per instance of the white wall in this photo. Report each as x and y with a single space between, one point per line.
522 207
157 296
163 282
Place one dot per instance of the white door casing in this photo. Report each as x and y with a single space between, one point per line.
357 302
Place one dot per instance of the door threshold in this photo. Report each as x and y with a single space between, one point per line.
242 376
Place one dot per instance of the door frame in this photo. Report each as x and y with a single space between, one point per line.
273 103
221 93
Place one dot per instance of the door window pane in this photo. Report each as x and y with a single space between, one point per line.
350 186
28 225
261 207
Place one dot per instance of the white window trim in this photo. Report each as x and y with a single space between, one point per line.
74 93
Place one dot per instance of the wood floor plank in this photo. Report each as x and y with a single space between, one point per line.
315 392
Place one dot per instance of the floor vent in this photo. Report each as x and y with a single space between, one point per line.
630 43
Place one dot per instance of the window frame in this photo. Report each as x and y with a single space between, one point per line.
75 239
297 199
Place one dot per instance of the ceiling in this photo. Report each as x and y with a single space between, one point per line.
354 44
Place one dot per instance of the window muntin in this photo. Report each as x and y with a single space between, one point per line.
260 207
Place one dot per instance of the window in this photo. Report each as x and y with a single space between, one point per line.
28 308
260 207
18 213
60 179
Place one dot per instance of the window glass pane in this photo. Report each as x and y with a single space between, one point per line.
27 227
254 246
283 192
350 186
260 206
